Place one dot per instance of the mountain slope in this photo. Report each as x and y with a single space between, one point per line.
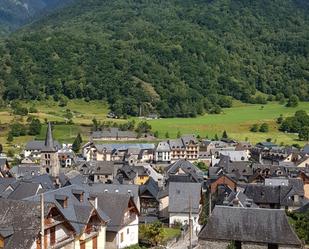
14 13
189 53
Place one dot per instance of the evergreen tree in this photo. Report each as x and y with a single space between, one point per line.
77 143
167 135
35 127
224 134
178 134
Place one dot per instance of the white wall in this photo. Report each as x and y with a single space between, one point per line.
184 219
130 237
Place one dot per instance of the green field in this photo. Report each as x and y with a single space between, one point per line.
236 121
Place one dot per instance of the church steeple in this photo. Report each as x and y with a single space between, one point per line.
49 141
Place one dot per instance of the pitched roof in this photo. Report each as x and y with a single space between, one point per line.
20 220
242 224
151 186
39 145
181 194
114 205
25 189
49 141
76 212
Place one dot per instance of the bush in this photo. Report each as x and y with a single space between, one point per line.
264 128
293 101
254 128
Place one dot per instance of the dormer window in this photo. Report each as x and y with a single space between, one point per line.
79 194
62 200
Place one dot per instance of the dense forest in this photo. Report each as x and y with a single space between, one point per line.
15 13
174 57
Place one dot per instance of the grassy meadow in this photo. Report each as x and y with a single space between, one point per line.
236 121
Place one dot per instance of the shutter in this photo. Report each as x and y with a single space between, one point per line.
95 243
52 236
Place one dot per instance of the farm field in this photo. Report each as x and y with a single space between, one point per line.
236 121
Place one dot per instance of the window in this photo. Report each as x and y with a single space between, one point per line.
121 237
237 244
272 246
128 231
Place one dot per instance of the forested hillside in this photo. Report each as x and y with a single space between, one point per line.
176 57
14 13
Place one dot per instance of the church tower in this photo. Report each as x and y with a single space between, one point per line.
49 155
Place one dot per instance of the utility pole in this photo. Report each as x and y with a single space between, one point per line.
210 202
42 222
190 223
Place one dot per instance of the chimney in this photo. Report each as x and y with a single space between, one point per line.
94 201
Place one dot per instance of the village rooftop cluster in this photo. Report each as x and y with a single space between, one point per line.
217 193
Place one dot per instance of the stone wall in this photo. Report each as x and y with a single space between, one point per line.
213 244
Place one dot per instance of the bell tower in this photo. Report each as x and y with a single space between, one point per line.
49 155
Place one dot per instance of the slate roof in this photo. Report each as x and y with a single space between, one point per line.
99 168
21 221
114 205
151 186
76 212
25 189
133 190
242 224
113 133
39 145
28 170
187 167
176 144
163 146
121 146
306 149
181 193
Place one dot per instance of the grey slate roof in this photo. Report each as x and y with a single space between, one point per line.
39 145
163 146
49 141
76 212
113 133
20 220
151 186
98 188
180 194
25 189
187 167
114 205
257 225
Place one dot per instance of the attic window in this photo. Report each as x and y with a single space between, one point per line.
178 191
79 194
105 190
116 191
62 200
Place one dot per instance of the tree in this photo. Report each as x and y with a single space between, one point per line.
167 135
254 128
143 127
32 109
216 137
156 134
300 222
77 143
280 119
292 101
264 127
63 101
153 233
178 134
304 133
224 134
35 127
10 137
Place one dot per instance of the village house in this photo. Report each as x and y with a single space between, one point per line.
122 230
163 153
149 201
20 226
248 228
79 207
100 171
185 198
116 152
